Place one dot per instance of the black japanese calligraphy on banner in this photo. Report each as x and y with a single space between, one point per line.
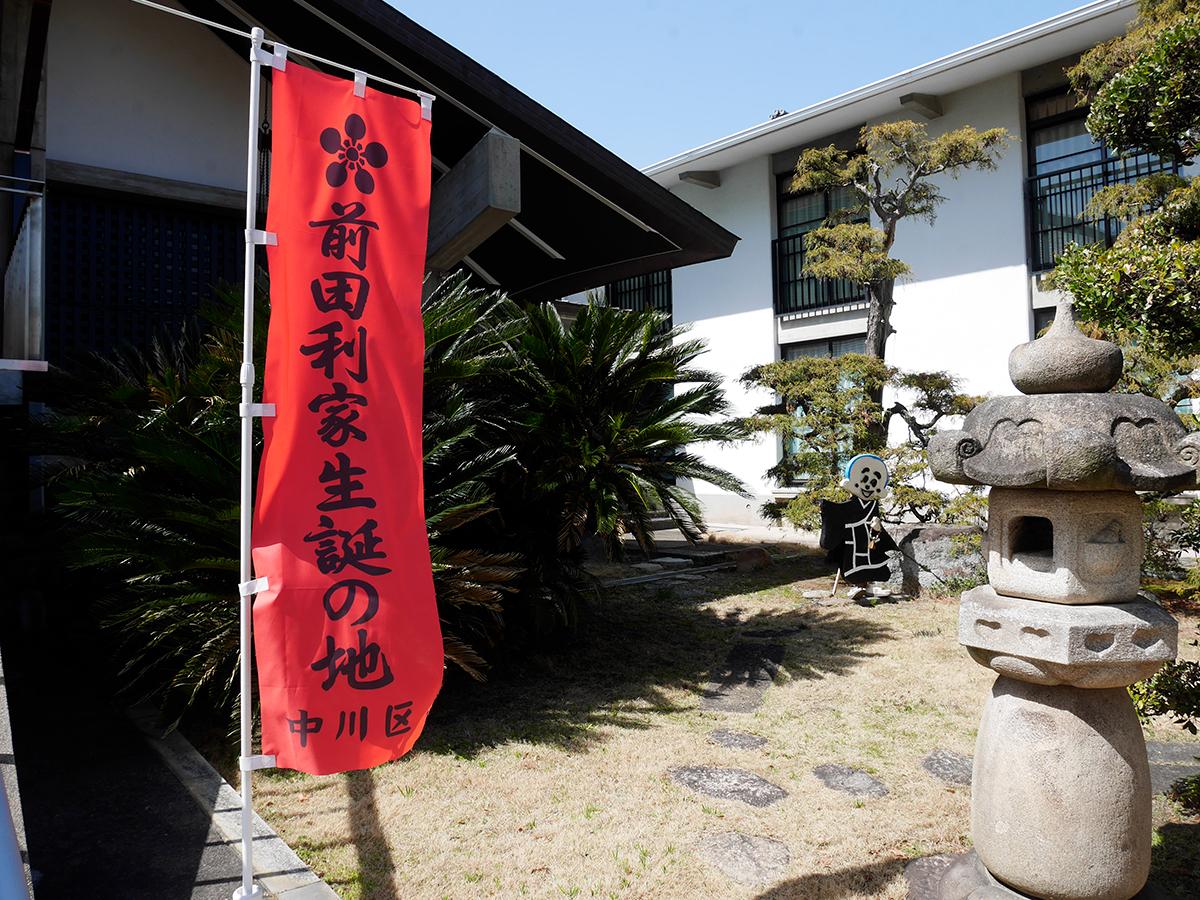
347 642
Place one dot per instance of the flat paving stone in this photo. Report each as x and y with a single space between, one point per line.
1170 761
647 567
850 780
673 562
951 767
687 578
744 858
736 740
728 784
739 687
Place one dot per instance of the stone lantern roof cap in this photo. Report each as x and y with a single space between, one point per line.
1067 433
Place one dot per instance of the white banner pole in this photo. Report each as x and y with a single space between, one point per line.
248 888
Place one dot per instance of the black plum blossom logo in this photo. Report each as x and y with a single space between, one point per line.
352 155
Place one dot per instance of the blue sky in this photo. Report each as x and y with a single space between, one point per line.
649 78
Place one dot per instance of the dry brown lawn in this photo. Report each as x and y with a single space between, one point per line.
550 781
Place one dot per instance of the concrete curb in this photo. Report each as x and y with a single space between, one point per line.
277 868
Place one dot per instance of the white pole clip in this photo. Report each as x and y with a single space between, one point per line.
360 83
250 588
247 375
276 60
250 763
262 410
258 236
426 105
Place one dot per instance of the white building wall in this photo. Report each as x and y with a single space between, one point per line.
966 303
728 302
186 120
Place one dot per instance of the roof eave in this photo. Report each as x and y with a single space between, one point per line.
694 158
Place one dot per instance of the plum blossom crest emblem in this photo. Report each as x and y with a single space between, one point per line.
353 155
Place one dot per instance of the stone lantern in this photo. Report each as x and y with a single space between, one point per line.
1061 785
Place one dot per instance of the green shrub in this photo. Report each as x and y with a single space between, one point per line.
1174 690
1186 792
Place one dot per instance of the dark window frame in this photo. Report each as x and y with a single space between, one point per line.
829 345
1055 199
788 444
640 292
794 292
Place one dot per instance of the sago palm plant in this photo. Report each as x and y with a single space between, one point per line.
606 412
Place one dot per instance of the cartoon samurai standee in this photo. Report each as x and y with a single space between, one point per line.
852 530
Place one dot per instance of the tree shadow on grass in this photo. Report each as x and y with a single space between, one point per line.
638 649
1175 858
860 881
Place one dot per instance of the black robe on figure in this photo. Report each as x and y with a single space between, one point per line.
847 534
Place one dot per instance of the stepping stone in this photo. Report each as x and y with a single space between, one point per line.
737 740
815 595
749 670
647 567
835 601
684 579
745 859
728 784
1170 761
850 780
925 874
774 632
673 562
951 767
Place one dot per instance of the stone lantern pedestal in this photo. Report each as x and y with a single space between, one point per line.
1061 798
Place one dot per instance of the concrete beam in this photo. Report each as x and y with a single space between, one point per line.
705 178
145 185
926 105
474 200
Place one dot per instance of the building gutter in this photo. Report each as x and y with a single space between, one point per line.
903 79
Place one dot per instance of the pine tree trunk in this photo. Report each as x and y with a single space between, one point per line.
879 317
879 329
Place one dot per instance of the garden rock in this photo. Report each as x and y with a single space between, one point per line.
850 780
736 740
749 670
728 784
930 552
647 567
752 559
950 767
745 859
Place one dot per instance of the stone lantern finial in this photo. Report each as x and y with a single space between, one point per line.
1064 360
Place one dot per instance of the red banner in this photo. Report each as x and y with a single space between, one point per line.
347 639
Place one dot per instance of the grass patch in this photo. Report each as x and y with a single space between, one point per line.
550 780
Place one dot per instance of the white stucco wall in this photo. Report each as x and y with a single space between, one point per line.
728 302
137 90
965 305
